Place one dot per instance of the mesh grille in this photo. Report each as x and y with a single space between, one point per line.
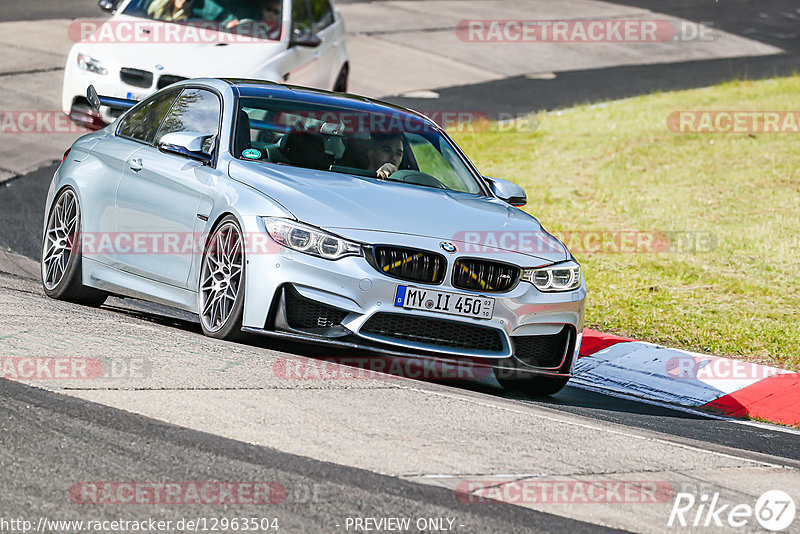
542 351
169 79
136 77
304 314
412 265
434 332
488 276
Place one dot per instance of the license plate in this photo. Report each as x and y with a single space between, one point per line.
414 298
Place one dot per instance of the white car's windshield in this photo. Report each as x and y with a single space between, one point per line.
396 147
259 18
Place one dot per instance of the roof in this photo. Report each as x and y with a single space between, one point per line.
257 88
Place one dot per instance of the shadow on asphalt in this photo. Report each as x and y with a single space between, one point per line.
364 362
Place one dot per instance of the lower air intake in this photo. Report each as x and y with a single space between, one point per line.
434 332
306 314
543 351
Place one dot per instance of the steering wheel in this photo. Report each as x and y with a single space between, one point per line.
417 178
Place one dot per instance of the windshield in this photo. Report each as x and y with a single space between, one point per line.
392 147
254 18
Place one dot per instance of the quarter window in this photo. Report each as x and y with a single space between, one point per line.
321 14
301 20
144 119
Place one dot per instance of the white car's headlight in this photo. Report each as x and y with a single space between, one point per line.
559 277
86 62
309 240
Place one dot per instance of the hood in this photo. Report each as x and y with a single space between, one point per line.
342 202
205 56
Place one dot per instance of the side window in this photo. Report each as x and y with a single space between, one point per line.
143 121
196 110
321 15
301 19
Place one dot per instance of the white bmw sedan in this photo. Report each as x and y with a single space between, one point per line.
150 44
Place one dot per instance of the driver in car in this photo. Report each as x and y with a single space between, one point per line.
170 10
385 154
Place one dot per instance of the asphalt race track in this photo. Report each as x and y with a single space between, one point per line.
209 411
18 214
774 22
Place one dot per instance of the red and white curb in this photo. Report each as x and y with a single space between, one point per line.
627 367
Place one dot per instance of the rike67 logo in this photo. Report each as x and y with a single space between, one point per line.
774 510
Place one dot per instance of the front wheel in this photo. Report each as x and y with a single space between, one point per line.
538 386
62 277
222 277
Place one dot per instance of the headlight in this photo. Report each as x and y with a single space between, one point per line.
92 65
560 277
309 240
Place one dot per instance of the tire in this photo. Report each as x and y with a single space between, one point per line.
538 386
61 265
222 282
341 81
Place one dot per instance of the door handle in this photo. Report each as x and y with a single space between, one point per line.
136 165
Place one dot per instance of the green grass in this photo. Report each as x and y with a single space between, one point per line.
762 420
616 167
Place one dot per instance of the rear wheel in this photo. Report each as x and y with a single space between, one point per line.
62 278
341 81
222 277
539 386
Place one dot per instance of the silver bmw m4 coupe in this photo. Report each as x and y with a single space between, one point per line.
313 216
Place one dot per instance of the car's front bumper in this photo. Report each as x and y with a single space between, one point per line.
543 321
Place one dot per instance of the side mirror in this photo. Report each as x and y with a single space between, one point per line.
508 191
192 145
304 38
91 96
109 6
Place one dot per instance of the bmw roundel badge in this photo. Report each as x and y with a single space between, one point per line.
448 247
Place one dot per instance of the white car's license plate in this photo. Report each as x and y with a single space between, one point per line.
415 298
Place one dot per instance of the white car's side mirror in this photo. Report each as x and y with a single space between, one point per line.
194 145
304 38
109 6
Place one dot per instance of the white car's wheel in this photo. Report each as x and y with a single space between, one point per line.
221 292
61 254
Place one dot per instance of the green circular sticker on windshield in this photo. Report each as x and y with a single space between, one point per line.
251 153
